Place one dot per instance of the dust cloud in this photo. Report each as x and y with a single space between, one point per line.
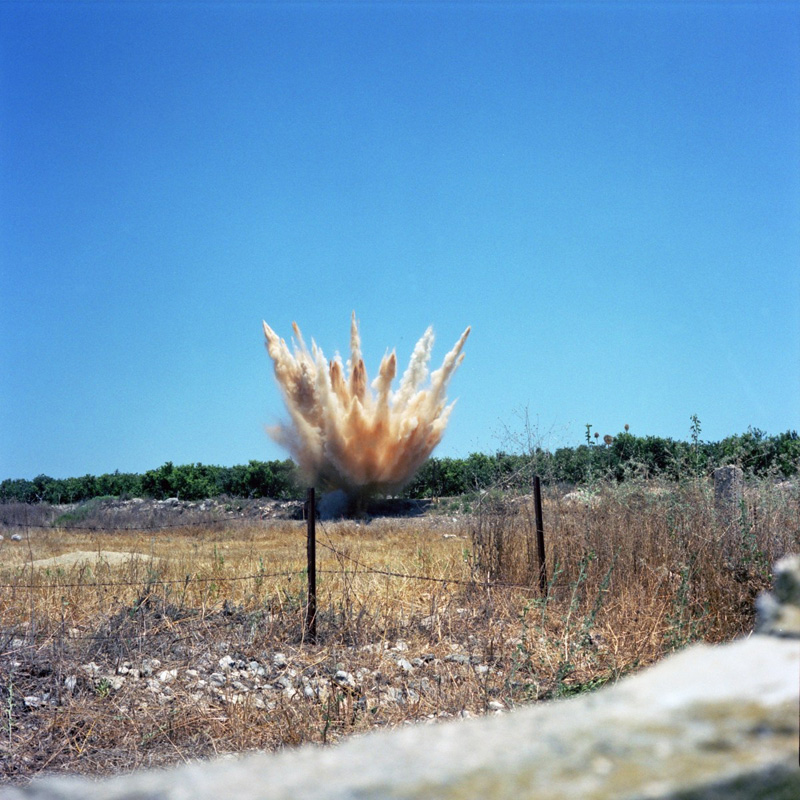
347 433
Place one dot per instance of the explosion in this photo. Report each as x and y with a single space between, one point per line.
348 434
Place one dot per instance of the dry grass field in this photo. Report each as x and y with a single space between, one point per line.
192 643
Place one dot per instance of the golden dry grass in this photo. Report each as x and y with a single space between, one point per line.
635 573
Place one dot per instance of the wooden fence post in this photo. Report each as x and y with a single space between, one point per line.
311 552
537 508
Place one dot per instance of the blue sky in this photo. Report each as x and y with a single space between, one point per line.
609 193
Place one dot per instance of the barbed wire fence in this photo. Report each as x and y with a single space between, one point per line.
363 569
32 578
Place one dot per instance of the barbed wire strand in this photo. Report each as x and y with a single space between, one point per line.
145 581
364 569
372 570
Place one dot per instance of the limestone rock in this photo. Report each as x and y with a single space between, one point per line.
779 611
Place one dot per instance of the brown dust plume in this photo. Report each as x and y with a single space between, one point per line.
347 433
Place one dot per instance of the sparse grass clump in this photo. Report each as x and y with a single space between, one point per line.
196 645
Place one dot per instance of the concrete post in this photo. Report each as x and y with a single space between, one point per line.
728 489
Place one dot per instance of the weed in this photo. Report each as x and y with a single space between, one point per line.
573 689
82 513
683 627
10 711
696 430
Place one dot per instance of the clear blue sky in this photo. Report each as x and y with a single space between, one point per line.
609 194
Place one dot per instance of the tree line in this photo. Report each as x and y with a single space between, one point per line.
617 458
279 480
624 457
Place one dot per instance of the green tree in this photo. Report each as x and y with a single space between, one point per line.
159 483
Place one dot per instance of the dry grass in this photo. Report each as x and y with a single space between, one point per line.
86 649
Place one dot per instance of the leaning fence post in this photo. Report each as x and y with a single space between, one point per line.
537 509
311 552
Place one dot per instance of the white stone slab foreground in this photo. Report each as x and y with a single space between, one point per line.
709 722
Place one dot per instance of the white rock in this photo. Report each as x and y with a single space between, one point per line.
391 694
150 665
345 679
779 611
279 660
581 497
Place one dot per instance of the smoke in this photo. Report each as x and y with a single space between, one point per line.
349 434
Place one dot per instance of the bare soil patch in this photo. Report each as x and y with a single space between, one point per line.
109 557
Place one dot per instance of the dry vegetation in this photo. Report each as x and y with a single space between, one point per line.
198 646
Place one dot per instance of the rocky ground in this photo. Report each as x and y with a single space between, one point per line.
381 674
156 681
138 513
